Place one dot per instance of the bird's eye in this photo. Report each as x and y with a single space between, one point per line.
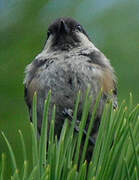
48 33
79 27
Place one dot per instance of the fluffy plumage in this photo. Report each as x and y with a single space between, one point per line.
67 64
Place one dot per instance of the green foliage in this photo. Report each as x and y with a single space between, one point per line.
115 155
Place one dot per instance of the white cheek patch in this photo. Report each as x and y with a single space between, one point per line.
48 43
85 41
46 49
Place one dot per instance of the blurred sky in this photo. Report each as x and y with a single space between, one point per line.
7 8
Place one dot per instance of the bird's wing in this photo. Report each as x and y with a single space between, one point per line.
30 81
107 76
28 102
109 87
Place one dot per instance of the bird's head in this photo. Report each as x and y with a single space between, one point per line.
65 33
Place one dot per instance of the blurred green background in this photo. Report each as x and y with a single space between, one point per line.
113 26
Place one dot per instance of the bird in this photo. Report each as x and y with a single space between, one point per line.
69 62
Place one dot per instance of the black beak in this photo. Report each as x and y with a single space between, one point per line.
63 27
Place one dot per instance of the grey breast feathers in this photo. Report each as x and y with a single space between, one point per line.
66 75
